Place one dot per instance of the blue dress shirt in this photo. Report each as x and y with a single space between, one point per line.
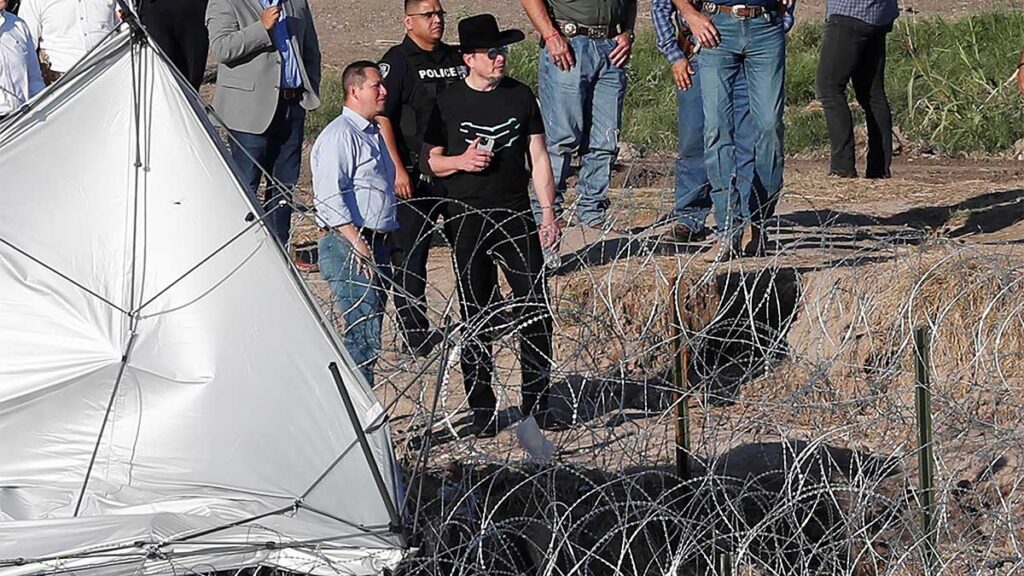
353 175
290 77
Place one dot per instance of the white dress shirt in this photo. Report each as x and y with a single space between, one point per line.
353 175
67 29
20 78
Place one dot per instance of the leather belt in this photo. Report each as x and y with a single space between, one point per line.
572 29
291 93
372 236
368 234
740 11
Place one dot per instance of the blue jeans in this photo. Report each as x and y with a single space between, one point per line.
757 47
582 110
359 299
279 151
693 190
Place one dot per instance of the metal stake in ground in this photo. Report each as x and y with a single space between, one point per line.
926 456
682 386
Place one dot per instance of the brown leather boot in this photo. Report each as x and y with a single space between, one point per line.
754 241
723 250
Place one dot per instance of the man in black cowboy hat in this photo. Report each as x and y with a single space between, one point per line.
477 141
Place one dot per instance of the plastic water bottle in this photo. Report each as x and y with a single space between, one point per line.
552 259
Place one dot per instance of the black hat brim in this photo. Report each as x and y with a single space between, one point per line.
505 38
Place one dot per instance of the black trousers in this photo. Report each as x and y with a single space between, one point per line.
853 51
485 240
411 247
179 28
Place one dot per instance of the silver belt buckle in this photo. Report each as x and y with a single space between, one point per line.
570 28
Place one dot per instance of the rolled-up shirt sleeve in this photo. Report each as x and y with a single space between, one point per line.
662 13
331 164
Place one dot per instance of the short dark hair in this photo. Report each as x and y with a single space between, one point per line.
355 73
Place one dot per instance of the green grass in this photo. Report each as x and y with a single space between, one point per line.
949 84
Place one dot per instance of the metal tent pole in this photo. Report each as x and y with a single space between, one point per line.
396 518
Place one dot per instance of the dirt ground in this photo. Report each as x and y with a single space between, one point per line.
835 232
354 29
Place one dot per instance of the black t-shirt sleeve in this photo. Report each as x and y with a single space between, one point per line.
536 122
393 69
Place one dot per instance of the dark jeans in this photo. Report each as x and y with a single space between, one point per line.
279 151
417 217
853 50
485 240
179 28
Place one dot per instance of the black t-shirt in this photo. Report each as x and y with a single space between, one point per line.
413 78
503 118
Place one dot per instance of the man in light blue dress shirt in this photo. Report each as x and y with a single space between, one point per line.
354 195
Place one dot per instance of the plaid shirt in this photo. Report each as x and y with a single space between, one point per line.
874 12
666 19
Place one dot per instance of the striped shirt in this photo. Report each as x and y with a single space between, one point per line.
874 12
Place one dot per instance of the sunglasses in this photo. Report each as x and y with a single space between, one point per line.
430 15
493 53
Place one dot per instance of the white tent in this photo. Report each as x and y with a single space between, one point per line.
165 399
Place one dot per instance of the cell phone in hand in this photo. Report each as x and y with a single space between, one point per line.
486 144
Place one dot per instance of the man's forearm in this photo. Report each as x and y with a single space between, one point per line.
543 177
686 8
349 232
441 165
537 11
387 131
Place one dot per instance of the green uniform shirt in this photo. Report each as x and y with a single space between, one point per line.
590 12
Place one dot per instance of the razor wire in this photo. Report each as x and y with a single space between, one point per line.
800 402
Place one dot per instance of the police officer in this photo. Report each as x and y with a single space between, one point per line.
415 72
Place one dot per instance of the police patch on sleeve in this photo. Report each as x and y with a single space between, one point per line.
384 69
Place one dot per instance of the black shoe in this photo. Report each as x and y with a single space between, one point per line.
552 420
841 174
424 347
683 234
484 425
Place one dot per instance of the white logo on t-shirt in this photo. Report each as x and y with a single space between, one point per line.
494 138
384 69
